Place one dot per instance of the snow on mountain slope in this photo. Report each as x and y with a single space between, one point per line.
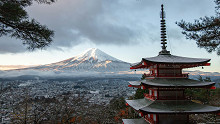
91 60
95 54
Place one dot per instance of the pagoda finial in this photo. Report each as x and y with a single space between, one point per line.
163 33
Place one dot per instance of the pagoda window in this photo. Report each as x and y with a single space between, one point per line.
154 117
155 93
150 92
162 66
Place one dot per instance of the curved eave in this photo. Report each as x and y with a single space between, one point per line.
134 83
203 62
178 86
175 107
139 103
172 59
138 65
180 83
134 121
153 111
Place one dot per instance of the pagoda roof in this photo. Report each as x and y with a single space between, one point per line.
139 103
168 59
135 83
134 121
175 59
178 107
173 82
170 106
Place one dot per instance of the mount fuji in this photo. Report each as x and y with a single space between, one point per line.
91 60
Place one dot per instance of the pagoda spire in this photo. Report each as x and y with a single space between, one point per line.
163 33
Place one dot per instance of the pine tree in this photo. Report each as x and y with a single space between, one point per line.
204 30
14 22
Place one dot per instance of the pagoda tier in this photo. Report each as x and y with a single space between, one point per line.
178 107
155 111
134 121
165 67
171 83
146 106
169 89
162 61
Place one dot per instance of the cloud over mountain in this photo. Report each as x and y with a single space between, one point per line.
123 22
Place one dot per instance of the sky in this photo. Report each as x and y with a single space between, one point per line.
125 29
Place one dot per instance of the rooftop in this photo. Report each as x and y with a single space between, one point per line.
139 103
178 106
176 82
170 59
134 121
170 106
175 59
172 82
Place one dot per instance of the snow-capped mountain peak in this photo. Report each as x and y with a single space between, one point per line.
94 54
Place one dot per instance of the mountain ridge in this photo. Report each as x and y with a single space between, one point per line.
91 60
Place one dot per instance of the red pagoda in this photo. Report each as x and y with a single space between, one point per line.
165 102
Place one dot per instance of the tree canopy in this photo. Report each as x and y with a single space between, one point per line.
204 30
14 22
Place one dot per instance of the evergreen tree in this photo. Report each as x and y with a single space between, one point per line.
140 93
204 30
118 103
201 94
14 22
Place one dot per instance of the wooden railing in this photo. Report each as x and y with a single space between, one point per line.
149 96
149 119
167 75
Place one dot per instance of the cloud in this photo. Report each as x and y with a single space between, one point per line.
12 67
54 74
14 73
97 21
10 45
92 21
114 22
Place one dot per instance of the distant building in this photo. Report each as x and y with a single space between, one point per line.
5 120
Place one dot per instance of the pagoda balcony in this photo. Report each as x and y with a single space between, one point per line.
149 119
149 76
150 97
172 98
167 75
